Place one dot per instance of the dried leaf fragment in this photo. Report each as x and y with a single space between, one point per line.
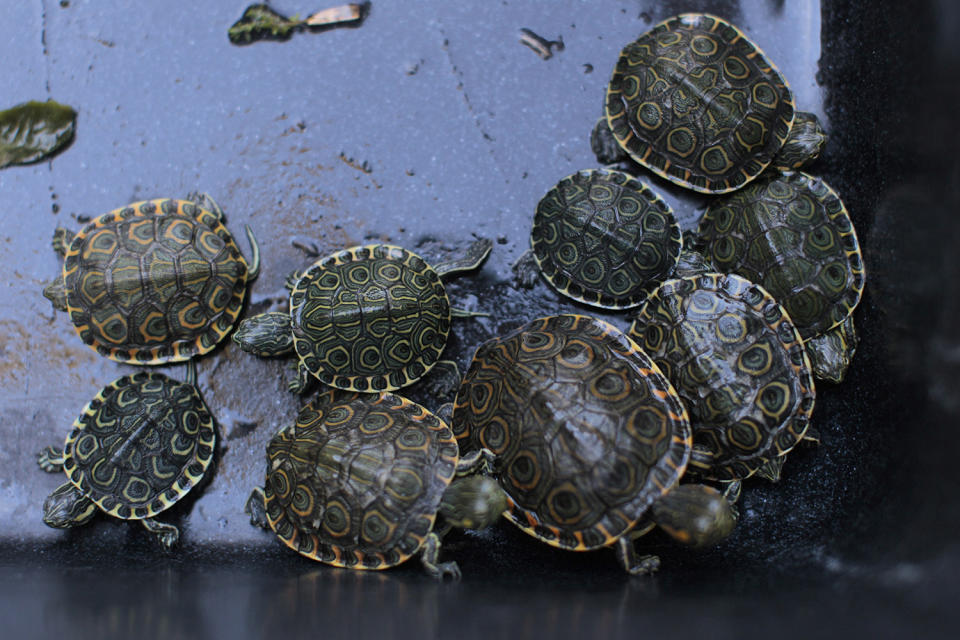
260 22
337 15
32 131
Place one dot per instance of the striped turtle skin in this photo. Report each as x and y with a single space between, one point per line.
696 102
791 233
137 448
586 430
604 238
154 282
735 358
357 481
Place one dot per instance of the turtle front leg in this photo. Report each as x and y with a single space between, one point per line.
50 460
167 534
478 461
256 508
292 280
526 269
444 378
303 382
430 558
61 240
632 563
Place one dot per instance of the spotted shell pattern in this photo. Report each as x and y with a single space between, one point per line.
586 430
740 366
791 234
604 238
357 481
695 101
371 318
140 445
154 282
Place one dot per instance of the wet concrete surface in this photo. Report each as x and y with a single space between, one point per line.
425 126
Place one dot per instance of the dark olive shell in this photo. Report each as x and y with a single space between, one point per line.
604 238
154 282
586 430
791 233
371 318
140 445
735 358
697 102
357 480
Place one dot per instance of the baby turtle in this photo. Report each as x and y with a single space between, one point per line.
791 233
138 447
602 237
154 282
696 101
589 438
370 318
738 363
359 479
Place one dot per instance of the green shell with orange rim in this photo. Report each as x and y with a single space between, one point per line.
356 482
586 430
370 318
154 282
140 445
739 364
604 238
790 233
695 101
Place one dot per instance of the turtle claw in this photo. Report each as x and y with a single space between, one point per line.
50 460
446 570
644 566
167 534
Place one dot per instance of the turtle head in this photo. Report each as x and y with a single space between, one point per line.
268 334
473 502
56 292
67 507
695 515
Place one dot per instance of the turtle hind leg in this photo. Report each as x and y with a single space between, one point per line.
604 145
206 201
430 556
61 240
167 534
469 258
56 293
632 563
256 508
50 460
831 352
772 469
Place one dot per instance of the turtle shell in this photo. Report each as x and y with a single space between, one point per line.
739 364
357 481
587 431
604 238
153 282
140 445
370 318
791 234
695 101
